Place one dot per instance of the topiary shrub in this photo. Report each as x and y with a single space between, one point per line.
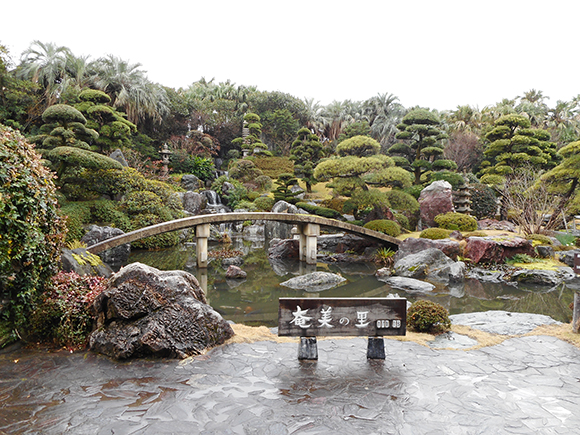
435 233
402 220
273 167
456 221
402 201
320 211
385 226
483 201
31 231
428 316
246 205
264 203
335 203
452 178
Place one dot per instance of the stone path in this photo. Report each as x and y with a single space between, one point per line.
524 385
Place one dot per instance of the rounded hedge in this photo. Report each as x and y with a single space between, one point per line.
385 226
435 233
264 203
428 316
456 221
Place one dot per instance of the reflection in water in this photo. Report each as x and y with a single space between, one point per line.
254 301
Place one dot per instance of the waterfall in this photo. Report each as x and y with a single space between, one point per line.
214 202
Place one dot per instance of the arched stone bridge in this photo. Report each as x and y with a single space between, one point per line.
308 230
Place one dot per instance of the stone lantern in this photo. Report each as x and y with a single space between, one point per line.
165 152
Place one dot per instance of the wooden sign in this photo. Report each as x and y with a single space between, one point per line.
311 317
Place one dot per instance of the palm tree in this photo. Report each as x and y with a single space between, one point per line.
314 118
45 64
337 115
383 113
130 90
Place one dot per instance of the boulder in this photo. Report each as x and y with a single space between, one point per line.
299 191
543 277
118 156
148 312
232 261
567 257
81 261
430 263
354 244
492 224
496 249
286 248
314 282
412 245
234 272
114 257
194 202
411 285
280 230
434 199
190 182
383 272
545 251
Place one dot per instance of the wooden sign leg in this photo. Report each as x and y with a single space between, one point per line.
307 349
376 348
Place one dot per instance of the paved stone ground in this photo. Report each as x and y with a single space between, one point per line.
527 385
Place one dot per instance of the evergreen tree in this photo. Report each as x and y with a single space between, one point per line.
421 150
306 152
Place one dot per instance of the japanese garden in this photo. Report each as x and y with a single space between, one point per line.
143 221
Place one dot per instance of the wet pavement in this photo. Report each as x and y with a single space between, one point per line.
525 385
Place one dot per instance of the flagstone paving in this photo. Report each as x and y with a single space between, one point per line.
524 385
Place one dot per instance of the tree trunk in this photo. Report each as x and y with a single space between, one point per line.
558 210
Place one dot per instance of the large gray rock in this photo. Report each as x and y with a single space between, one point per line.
114 257
434 199
191 182
81 261
234 272
284 249
194 202
412 245
280 230
118 156
430 263
543 277
411 285
314 282
567 257
148 312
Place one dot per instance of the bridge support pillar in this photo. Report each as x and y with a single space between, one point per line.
201 236
308 242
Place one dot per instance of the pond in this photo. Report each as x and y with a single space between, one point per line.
254 301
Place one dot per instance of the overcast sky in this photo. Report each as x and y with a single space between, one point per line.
436 54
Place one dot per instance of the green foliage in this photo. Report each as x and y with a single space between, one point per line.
31 231
62 114
456 180
335 203
159 241
306 152
385 257
358 146
363 201
565 239
185 163
385 226
282 191
435 233
64 313
246 205
483 201
274 166
244 171
264 183
76 215
421 129
520 258
402 220
414 190
264 203
320 211
233 196
358 128
428 316
402 201
456 221
540 238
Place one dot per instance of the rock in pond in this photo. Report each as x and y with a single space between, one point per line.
148 312
430 263
314 282
234 272
407 284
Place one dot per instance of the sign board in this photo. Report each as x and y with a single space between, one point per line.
311 317
577 263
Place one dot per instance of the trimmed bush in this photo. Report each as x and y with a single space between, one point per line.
435 233
428 316
402 220
274 166
264 203
402 201
335 203
483 201
456 221
320 211
385 226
